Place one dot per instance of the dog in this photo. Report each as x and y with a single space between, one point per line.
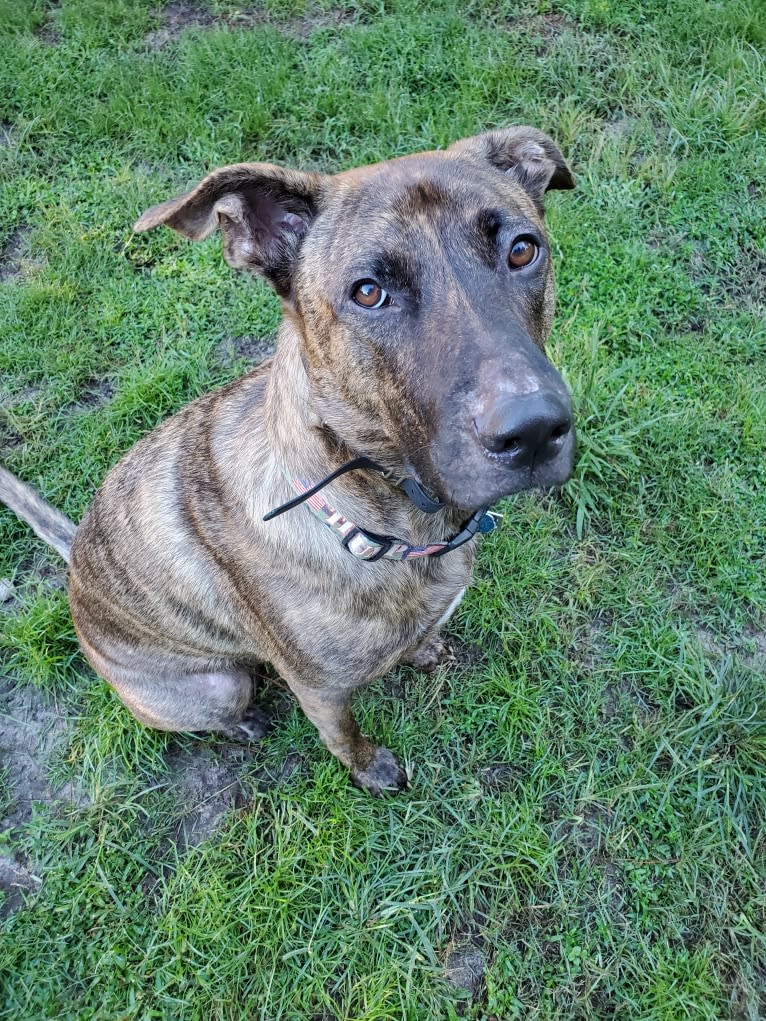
409 392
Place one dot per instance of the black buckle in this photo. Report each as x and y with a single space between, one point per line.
422 500
480 521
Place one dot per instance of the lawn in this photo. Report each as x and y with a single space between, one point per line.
585 834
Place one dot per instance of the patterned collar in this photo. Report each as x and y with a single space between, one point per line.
368 546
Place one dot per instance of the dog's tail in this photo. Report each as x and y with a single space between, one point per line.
51 525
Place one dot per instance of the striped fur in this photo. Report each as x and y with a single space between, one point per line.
178 588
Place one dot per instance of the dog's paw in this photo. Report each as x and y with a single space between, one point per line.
430 654
382 775
253 726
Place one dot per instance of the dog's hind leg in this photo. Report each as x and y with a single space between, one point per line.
205 700
217 701
372 767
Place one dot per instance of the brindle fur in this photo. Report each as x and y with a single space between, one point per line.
177 586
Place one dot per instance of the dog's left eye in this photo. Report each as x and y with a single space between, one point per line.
370 294
524 251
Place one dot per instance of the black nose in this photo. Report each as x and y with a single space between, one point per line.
525 431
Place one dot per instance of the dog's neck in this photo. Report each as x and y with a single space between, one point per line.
307 450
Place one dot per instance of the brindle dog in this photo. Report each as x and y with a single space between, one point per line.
418 296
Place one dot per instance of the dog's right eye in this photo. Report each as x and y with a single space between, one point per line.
370 294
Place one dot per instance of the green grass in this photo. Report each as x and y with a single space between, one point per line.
588 808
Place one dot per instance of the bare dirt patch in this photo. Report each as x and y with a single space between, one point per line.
15 881
43 566
586 830
748 649
26 394
31 727
465 967
31 730
500 776
95 393
209 782
743 282
15 258
619 125
250 349
176 17
591 645
181 15
10 438
49 32
759 640
304 27
464 655
749 278
543 29
458 657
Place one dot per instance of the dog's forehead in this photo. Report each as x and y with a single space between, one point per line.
421 189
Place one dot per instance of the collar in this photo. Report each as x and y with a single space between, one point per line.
369 545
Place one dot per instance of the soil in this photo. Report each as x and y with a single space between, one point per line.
95 393
207 780
465 969
31 730
208 783
14 256
541 29
48 32
250 349
177 17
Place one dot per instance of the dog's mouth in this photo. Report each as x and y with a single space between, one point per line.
470 497
468 475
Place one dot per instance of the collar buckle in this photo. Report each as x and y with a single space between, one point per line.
367 547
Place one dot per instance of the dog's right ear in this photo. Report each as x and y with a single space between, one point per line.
264 212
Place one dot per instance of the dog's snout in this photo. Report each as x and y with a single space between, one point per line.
525 431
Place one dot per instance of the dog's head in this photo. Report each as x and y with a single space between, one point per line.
423 292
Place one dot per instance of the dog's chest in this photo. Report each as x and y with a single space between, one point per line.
367 623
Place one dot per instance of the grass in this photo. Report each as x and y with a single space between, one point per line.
586 821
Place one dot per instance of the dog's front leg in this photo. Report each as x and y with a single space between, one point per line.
428 654
372 767
432 650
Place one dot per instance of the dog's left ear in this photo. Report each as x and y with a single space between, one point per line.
263 211
525 154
